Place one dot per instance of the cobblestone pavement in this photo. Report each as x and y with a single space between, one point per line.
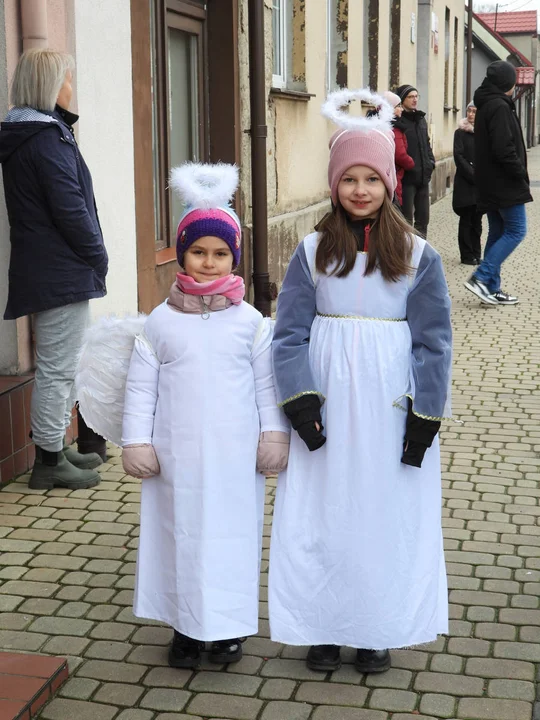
68 561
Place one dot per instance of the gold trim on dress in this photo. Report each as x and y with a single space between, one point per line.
360 317
301 394
397 404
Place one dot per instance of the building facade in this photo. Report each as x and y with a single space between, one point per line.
159 82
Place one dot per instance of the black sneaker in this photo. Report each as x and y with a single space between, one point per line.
226 651
469 262
372 661
480 290
504 298
184 652
324 658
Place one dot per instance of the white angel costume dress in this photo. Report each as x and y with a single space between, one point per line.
357 550
200 390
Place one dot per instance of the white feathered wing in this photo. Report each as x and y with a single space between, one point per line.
102 372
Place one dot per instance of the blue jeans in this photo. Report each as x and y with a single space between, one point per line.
507 228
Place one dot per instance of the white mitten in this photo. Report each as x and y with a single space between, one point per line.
140 461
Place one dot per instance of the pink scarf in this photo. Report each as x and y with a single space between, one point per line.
230 286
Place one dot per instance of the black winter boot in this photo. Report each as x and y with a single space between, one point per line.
372 661
89 441
184 652
226 651
53 469
324 658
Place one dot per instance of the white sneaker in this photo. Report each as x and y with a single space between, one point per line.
480 290
504 298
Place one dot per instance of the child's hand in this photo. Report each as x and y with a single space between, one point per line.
272 453
305 416
140 461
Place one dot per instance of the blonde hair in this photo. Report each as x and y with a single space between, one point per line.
38 78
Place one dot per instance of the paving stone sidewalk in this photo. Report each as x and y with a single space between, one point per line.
68 560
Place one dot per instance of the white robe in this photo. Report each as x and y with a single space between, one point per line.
201 391
357 550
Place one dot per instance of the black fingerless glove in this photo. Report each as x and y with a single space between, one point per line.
303 413
419 435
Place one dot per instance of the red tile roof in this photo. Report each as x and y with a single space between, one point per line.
512 22
508 45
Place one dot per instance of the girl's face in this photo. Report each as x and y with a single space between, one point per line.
361 192
209 258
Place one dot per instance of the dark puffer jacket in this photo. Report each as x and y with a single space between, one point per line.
464 194
57 251
418 147
500 155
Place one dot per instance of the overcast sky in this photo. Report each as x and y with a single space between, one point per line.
505 6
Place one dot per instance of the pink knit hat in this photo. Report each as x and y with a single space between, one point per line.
392 98
372 148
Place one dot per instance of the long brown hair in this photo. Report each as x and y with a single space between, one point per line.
390 243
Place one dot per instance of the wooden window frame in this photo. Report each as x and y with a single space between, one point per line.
188 18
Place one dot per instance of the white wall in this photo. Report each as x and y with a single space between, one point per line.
105 133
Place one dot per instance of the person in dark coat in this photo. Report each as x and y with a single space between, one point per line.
464 195
403 160
502 180
416 181
58 260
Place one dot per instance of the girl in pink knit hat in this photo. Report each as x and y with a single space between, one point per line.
201 426
362 357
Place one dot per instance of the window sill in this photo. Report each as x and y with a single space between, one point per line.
455 110
447 109
165 256
298 95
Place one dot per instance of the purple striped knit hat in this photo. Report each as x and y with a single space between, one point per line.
206 191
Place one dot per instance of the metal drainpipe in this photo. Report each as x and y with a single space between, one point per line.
34 24
257 84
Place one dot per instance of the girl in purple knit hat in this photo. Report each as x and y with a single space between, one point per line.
362 356
201 426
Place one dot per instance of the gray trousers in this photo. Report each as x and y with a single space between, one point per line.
59 338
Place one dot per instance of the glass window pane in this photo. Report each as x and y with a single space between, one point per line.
183 106
277 37
155 130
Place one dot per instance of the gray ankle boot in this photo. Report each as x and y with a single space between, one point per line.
53 469
84 461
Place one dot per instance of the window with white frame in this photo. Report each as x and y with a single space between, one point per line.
279 33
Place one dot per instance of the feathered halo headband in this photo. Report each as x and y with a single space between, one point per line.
336 101
205 186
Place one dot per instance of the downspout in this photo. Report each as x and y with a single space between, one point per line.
257 84
34 24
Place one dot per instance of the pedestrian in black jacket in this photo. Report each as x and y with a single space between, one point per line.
501 179
464 195
415 182
58 260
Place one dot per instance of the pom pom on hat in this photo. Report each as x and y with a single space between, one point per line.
206 190
392 98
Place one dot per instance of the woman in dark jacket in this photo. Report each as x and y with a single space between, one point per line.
464 196
58 260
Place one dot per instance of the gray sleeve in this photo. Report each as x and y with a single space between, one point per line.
428 315
296 311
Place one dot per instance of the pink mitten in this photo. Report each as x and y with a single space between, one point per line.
273 452
140 461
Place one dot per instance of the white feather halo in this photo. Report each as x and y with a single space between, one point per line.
332 109
202 185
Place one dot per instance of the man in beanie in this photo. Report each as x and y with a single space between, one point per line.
501 179
415 182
